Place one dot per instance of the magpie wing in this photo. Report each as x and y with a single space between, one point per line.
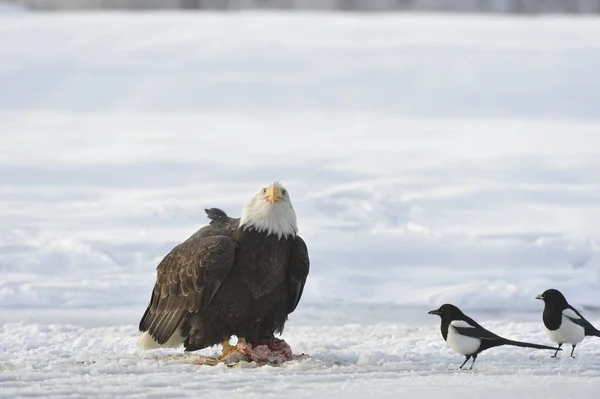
572 314
473 330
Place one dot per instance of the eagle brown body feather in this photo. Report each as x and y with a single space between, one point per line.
225 281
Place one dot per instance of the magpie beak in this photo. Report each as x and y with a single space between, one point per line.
436 311
541 296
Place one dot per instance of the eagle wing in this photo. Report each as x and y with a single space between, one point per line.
298 268
187 279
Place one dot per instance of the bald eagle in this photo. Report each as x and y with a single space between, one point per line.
235 276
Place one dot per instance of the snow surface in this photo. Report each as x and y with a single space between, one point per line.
380 360
430 159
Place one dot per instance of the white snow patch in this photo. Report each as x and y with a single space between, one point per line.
349 360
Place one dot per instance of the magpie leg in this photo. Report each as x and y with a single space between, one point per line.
573 350
559 345
465 362
474 358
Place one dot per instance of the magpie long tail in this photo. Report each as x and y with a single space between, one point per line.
529 345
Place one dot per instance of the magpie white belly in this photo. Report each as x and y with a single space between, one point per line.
567 333
461 343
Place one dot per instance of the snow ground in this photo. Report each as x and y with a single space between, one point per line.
381 360
430 159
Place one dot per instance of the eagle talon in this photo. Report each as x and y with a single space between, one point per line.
244 347
240 350
227 349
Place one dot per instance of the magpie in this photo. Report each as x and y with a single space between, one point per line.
564 324
468 338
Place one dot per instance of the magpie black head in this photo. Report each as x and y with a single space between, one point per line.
448 312
553 297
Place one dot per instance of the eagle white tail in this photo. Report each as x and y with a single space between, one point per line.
147 342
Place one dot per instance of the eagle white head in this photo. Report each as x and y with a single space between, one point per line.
271 210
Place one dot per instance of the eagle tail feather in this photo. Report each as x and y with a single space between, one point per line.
215 213
147 342
161 326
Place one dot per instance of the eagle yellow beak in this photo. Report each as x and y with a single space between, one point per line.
272 194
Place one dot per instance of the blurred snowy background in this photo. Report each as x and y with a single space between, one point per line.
430 157
485 6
